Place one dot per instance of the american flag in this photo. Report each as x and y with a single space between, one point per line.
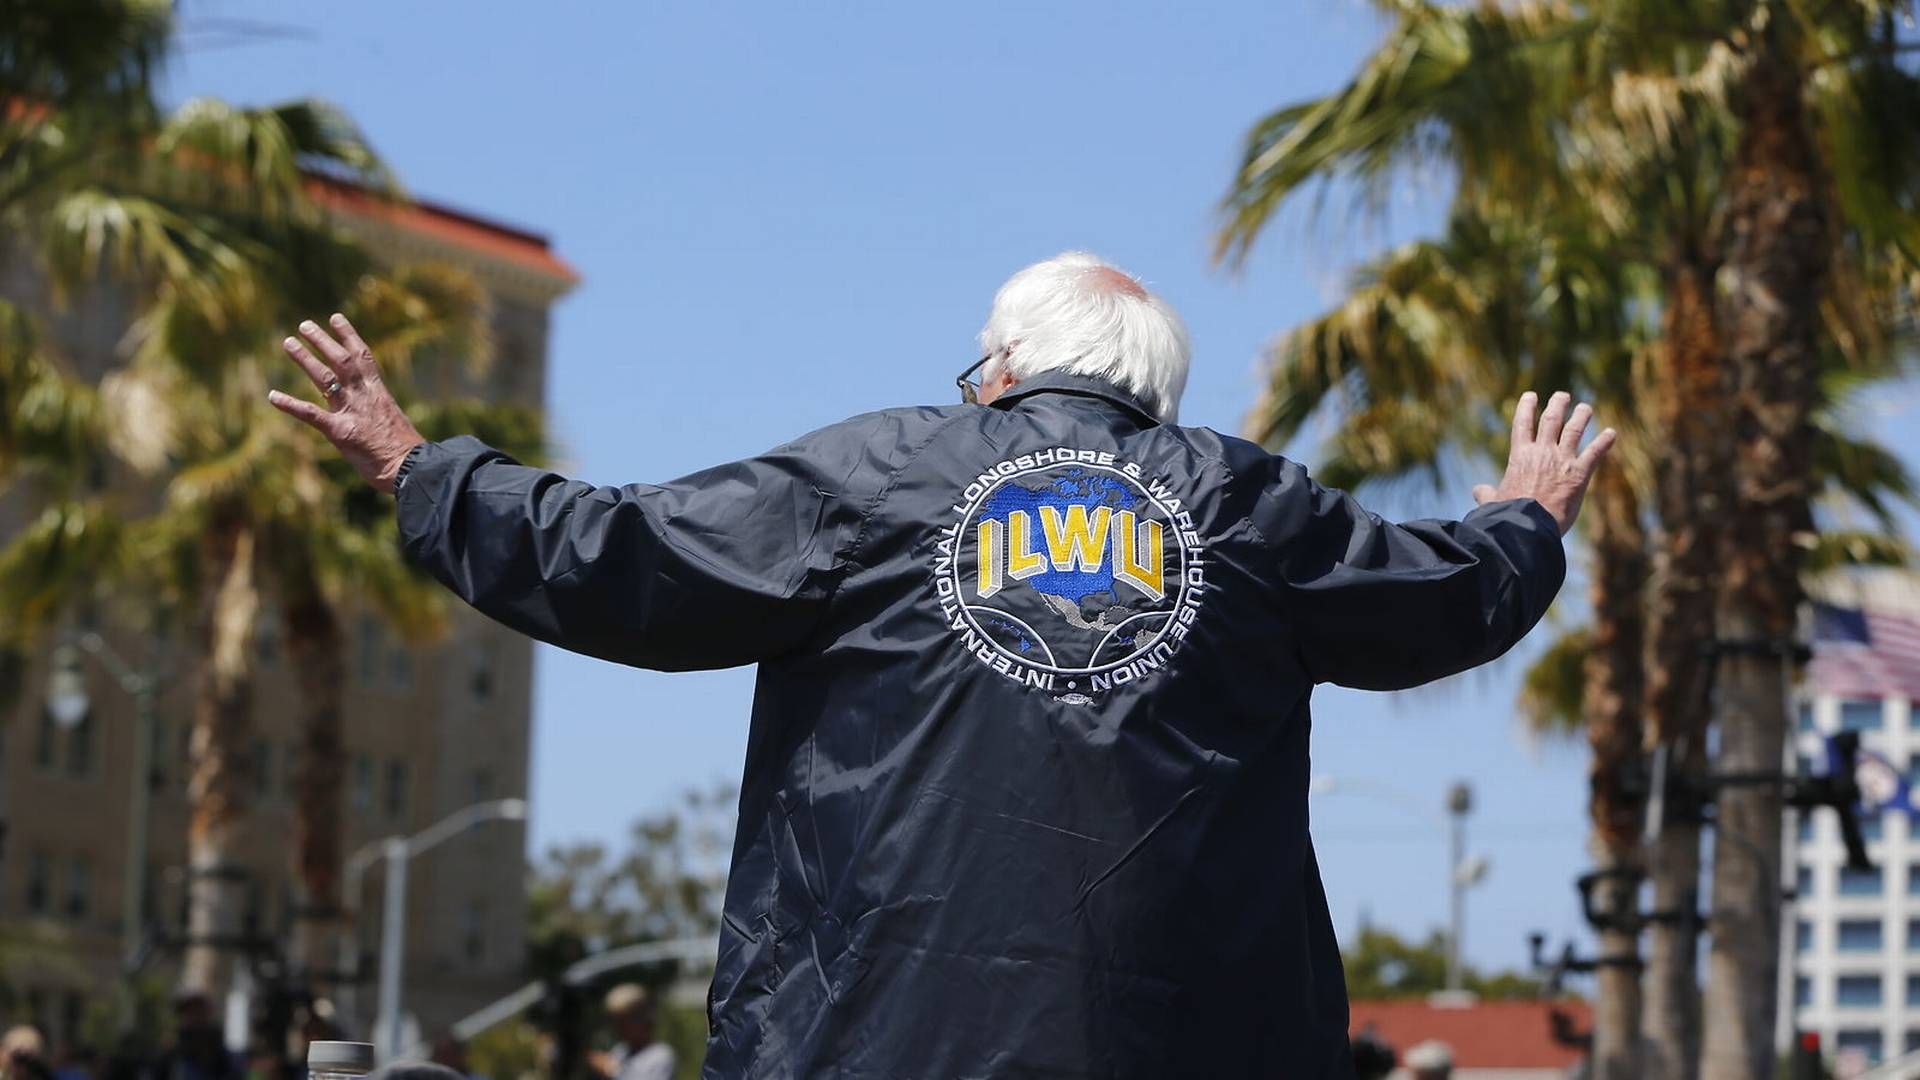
1865 653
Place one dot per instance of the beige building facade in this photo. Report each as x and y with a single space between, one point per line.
429 728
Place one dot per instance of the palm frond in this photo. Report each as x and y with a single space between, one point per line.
64 553
1554 685
1477 86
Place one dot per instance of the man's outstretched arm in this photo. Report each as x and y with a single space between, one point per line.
1382 606
725 567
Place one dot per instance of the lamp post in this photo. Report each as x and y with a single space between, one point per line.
1463 872
398 851
68 704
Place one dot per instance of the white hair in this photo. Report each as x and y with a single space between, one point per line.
1079 314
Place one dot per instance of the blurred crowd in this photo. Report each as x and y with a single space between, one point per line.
196 1048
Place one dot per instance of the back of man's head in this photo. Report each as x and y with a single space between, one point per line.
1078 314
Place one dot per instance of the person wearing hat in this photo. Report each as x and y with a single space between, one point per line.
1430 1060
638 1056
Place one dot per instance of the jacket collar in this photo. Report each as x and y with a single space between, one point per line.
1061 382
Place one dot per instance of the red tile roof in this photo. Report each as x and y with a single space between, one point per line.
445 223
1485 1035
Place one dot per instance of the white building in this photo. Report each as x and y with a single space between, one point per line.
1851 941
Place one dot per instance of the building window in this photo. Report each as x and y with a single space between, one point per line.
1858 935
186 756
1861 715
1913 935
46 737
1857 990
157 752
396 790
473 932
1913 990
1873 827
290 770
262 757
1802 991
1911 1041
39 882
1806 826
266 640
1803 936
79 888
372 647
80 746
1859 882
1867 1041
480 670
400 668
362 782
1803 883
1913 879
482 784
1806 716
1803 765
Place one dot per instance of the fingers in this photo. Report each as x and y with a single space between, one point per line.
1553 416
1576 428
1484 493
1523 418
337 357
1590 457
302 410
321 374
350 338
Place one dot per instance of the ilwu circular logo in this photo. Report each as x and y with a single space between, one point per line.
1069 571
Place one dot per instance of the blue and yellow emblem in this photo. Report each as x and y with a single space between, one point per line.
1068 570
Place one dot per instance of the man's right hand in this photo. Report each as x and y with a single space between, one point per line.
1546 463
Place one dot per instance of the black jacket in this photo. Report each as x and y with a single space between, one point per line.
1026 785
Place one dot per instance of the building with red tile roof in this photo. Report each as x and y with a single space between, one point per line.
1490 1040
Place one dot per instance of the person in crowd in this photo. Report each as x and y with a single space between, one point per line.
199 1048
23 1054
1025 790
638 1054
450 1051
1430 1060
1373 1056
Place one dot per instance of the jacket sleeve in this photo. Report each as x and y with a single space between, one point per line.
727 566
1383 606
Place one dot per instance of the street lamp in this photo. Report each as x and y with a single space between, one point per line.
397 851
1462 872
68 704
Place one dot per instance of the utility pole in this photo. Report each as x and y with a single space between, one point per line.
1459 804
69 703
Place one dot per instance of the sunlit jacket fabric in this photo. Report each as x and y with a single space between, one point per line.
1026 785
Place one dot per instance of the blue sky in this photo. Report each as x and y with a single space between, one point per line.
787 214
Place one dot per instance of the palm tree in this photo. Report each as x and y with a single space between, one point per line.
1432 333
304 533
1531 105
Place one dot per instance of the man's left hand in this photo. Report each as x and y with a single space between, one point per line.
361 418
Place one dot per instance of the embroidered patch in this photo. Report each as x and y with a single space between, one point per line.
1069 571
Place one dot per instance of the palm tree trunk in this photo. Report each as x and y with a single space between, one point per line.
1777 251
221 741
1694 491
317 649
1610 707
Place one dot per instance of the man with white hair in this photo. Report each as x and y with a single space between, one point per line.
1026 783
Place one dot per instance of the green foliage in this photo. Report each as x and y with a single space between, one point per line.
1553 685
584 899
515 1050
1381 965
